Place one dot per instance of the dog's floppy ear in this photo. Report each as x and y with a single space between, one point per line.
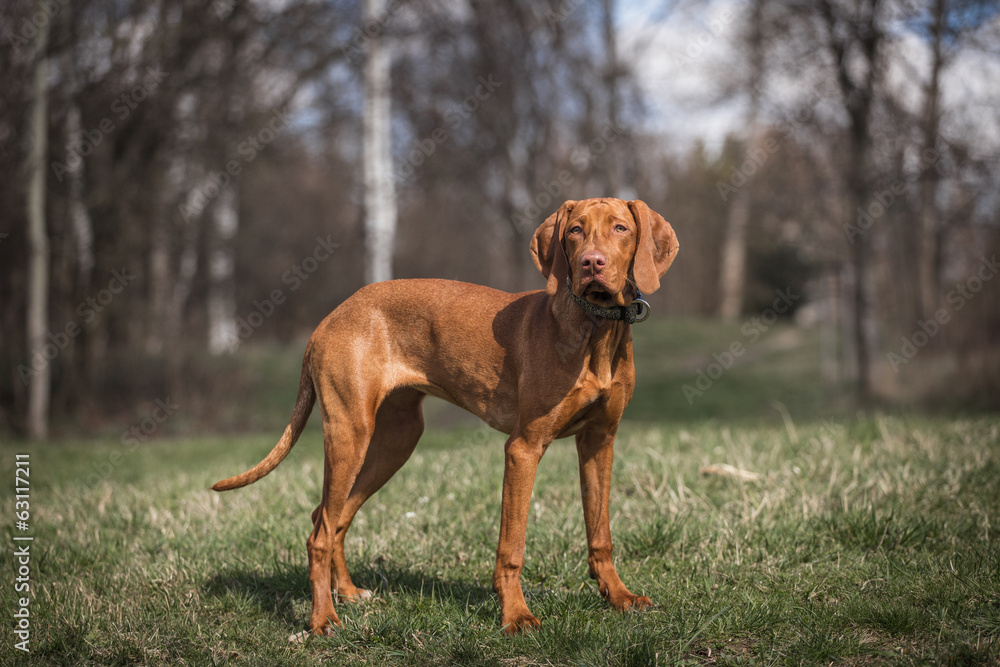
656 248
547 249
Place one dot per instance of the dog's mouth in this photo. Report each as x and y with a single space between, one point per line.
599 294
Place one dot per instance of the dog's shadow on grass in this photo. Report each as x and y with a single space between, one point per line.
274 590
279 589
387 580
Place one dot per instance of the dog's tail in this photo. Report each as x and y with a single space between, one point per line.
300 415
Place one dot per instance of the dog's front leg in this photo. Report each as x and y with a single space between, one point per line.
596 452
521 462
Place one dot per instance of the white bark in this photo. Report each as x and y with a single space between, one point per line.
38 242
380 195
222 336
83 228
184 174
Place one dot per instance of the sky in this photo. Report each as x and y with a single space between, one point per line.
675 51
680 50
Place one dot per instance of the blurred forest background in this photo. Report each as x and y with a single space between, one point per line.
187 180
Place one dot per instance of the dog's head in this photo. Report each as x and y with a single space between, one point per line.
603 246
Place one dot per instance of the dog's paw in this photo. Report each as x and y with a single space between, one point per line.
622 600
355 595
641 602
634 602
325 631
324 625
520 623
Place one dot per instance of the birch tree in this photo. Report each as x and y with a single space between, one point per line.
38 242
222 335
380 195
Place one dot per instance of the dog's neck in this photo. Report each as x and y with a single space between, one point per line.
582 333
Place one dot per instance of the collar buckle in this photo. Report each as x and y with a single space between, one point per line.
642 308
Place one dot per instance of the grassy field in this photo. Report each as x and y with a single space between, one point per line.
869 539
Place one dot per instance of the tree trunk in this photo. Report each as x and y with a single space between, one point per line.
612 170
83 228
380 195
83 244
859 194
184 176
515 199
221 272
862 315
732 279
830 328
159 274
38 242
929 258
862 33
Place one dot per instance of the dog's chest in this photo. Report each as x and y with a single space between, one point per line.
595 399
592 411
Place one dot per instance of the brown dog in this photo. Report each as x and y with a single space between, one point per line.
537 365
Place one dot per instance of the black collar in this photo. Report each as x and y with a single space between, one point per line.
637 311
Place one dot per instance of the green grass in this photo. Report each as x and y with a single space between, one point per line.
780 365
864 541
867 538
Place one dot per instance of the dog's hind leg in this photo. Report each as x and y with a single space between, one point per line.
399 424
345 443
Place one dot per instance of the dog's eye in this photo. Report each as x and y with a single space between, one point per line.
621 228
575 229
